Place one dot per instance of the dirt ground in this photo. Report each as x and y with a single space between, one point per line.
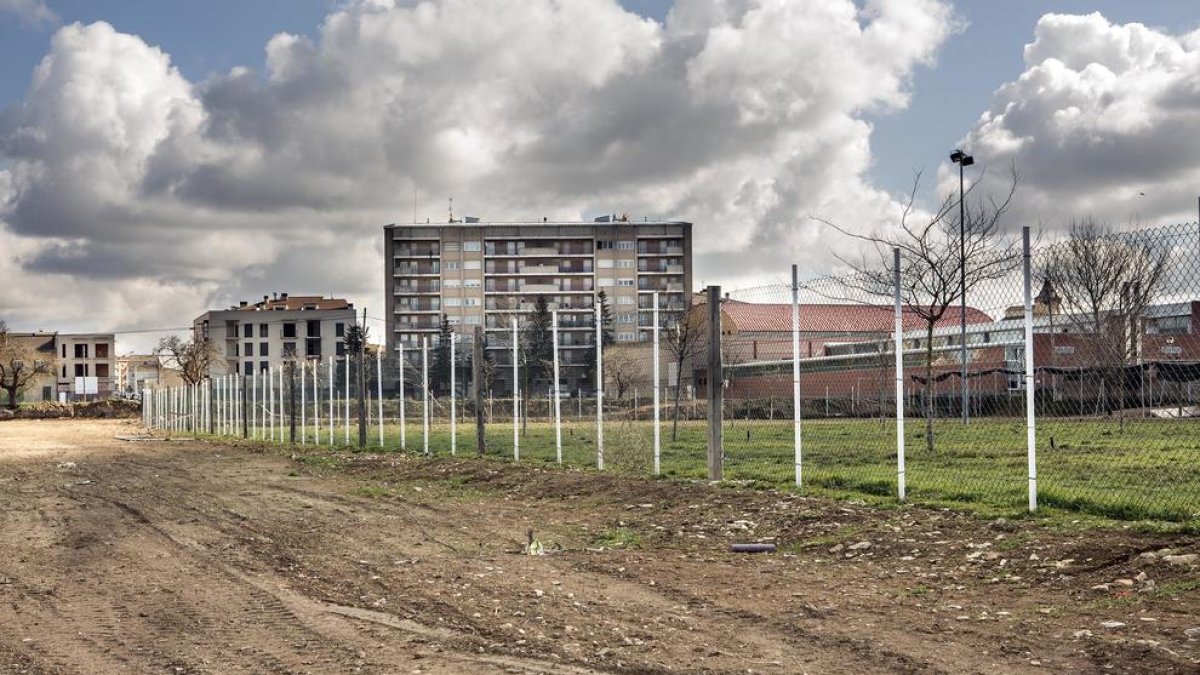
192 557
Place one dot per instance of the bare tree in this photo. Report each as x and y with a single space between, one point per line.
685 339
1105 281
192 359
936 264
623 365
356 349
20 363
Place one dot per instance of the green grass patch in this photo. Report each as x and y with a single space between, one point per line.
619 537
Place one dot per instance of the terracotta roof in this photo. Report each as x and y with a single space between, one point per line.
840 318
296 302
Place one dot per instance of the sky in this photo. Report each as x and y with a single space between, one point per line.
159 159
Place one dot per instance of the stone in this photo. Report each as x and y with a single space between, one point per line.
1182 560
1111 625
860 546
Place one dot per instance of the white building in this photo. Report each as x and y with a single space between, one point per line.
250 337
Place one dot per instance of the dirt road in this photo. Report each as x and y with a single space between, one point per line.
189 557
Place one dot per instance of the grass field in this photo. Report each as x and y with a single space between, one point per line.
1151 471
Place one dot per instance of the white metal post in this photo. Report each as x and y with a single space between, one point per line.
516 398
332 417
379 390
303 404
346 400
1030 385
403 423
557 399
797 431
453 397
281 427
316 380
425 394
599 388
898 338
657 386
269 403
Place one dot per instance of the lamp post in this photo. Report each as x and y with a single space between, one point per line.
962 160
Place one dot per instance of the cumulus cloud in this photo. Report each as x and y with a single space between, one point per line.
742 116
1102 122
33 13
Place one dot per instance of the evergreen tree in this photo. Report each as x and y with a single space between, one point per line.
537 345
439 371
607 336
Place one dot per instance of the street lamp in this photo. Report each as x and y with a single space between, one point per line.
962 160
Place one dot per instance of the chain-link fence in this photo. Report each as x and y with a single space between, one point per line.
888 381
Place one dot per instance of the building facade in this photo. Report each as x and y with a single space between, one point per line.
136 372
82 366
249 338
489 274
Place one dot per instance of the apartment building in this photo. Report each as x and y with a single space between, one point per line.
486 273
250 337
136 372
82 365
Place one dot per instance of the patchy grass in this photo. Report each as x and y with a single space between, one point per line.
618 537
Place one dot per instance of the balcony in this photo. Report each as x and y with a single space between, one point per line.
419 305
427 288
537 248
431 250
660 266
659 248
410 269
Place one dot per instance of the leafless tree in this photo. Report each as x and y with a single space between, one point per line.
20 363
192 359
623 364
1105 282
936 263
684 340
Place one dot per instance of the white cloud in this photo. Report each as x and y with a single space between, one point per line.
743 116
31 12
1102 113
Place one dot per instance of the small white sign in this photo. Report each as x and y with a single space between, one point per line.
1067 349
87 385
1173 350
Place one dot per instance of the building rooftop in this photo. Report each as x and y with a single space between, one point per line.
475 222
834 318
294 302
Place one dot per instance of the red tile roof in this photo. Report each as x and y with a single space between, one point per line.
839 318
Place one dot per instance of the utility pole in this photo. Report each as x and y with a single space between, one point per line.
716 384
362 384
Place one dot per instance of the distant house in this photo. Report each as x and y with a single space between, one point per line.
250 337
78 360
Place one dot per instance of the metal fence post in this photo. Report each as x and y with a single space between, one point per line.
245 407
716 386
379 391
797 437
453 396
516 392
599 388
557 400
898 338
332 418
657 383
303 403
1030 385
425 395
403 429
477 378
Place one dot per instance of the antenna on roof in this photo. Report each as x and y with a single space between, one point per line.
452 209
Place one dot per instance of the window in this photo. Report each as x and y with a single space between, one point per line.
248 368
450 247
64 368
289 330
605 282
262 330
102 351
81 370
603 245
624 264
604 264
453 283
471 265
313 329
470 302
453 302
341 349
312 346
454 320
235 350
248 330
101 370
453 265
471 283
289 349
625 318
471 246
263 366
64 354
628 283
626 245
339 329
625 300
81 351
627 337
472 320
262 349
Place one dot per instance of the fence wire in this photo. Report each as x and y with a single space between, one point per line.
1115 340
